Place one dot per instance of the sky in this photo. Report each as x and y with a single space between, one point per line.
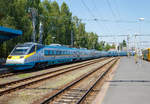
114 17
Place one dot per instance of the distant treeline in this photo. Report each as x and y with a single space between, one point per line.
58 24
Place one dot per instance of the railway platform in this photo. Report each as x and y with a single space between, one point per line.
130 84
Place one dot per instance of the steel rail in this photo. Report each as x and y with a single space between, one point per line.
90 89
6 74
43 74
73 83
29 83
10 73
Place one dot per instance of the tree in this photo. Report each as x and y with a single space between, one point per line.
101 45
107 47
124 44
113 46
58 24
66 20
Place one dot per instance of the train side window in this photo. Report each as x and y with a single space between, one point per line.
59 52
45 52
52 52
56 52
49 52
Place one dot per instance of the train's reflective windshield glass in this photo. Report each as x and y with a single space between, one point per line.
20 50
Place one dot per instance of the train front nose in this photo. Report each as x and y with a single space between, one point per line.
15 60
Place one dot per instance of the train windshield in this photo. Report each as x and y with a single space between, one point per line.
20 50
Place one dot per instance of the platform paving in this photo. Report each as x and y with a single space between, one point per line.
130 84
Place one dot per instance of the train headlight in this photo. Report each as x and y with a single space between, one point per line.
21 56
9 57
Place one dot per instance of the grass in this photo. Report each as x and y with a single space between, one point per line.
24 75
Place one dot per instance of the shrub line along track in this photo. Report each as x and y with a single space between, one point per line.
47 75
68 87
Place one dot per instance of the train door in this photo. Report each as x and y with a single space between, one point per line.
32 51
39 53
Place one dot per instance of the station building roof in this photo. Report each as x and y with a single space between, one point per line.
8 33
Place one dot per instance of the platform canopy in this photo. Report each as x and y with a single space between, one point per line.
8 33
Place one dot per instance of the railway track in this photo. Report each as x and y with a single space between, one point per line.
22 83
76 91
7 74
11 73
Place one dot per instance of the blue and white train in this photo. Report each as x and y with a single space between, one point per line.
33 55
30 55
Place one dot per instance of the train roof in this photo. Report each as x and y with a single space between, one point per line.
66 47
8 33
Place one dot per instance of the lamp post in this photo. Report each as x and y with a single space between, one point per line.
140 33
140 23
